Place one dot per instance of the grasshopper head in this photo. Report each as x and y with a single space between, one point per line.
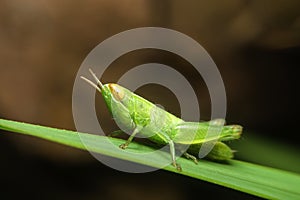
114 96
110 92
117 91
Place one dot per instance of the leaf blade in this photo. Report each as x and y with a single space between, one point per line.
246 177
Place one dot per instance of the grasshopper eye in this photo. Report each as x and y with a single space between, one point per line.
117 91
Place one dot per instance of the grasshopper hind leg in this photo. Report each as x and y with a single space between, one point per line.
173 157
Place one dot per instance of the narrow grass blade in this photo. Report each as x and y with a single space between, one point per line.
250 178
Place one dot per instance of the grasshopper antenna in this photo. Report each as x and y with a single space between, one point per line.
98 86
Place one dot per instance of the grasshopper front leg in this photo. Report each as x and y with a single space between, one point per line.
135 131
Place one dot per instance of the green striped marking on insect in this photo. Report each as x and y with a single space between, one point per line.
140 116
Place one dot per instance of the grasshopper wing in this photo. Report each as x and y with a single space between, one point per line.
190 133
197 133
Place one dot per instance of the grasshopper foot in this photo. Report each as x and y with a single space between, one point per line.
123 146
189 156
177 166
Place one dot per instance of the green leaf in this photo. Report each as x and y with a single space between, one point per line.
250 178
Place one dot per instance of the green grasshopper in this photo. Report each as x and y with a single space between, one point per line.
138 115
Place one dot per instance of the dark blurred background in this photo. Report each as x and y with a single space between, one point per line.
255 44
